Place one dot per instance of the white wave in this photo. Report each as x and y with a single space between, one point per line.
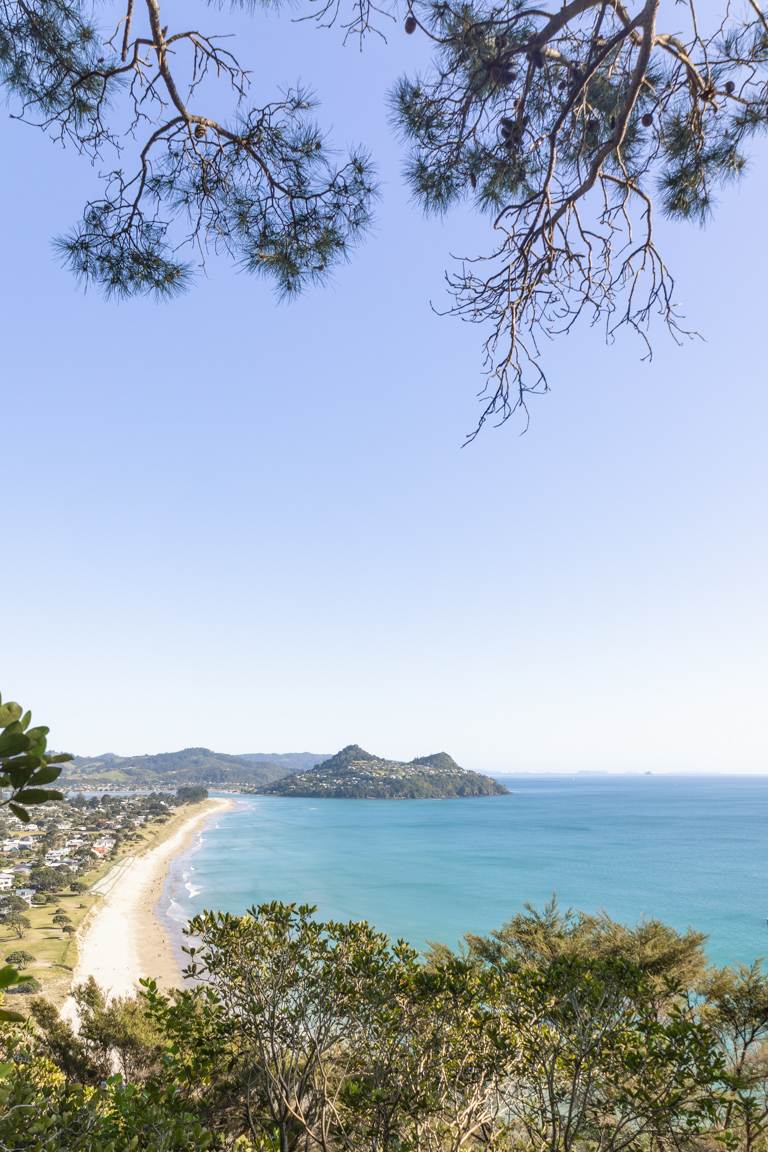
175 912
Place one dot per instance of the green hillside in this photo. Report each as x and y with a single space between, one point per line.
354 774
187 766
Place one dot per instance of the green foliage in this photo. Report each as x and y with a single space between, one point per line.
27 987
112 1033
325 1033
11 903
736 1008
25 764
19 958
191 794
567 124
559 1031
572 124
17 922
40 1109
125 258
695 166
48 57
47 879
508 80
26 767
262 186
11 981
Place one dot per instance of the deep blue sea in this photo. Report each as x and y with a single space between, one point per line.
692 851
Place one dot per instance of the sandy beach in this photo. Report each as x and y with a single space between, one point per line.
123 939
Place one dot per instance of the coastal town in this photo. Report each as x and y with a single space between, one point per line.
52 866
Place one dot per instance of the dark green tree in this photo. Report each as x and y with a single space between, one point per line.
11 903
19 958
47 879
18 923
191 794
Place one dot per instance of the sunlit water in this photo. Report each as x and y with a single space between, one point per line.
691 851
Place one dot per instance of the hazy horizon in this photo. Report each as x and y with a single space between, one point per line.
499 770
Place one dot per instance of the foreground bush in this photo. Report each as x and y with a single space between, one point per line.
40 1109
559 1032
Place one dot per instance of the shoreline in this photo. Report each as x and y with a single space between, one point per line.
123 938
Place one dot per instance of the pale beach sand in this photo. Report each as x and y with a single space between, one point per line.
123 939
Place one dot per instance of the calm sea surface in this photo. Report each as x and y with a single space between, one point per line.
691 851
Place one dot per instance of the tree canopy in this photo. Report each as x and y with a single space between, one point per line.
560 1031
569 125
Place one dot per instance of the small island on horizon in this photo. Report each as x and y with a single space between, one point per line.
354 774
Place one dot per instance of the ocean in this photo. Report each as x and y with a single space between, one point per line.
692 851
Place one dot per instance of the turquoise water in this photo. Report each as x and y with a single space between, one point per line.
691 851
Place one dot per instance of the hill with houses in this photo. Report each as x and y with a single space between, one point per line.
355 774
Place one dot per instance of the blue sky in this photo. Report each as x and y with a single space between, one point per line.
252 526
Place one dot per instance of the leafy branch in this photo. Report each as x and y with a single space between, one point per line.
26 766
572 126
262 186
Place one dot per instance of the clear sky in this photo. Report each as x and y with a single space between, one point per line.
252 527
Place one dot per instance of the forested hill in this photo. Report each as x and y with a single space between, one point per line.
355 774
188 766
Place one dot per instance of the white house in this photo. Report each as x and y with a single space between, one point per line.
57 856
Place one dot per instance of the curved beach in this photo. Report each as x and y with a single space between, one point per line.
123 939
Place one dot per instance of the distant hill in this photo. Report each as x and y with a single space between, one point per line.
188 766
355 774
